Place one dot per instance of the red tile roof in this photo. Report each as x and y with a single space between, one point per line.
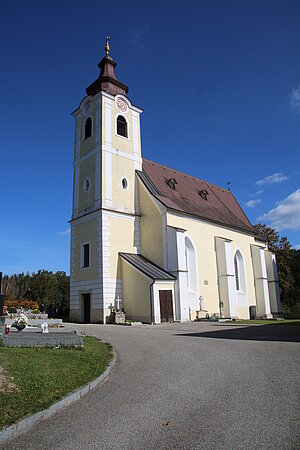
220 207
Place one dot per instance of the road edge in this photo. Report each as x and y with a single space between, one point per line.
26 423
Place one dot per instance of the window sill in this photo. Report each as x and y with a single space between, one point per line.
89 138
122 137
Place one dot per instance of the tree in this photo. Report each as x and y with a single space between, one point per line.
281 247
43 287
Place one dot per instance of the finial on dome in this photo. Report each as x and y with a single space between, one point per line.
107 45
107 80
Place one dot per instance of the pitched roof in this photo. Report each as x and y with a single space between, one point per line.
194 196
147 267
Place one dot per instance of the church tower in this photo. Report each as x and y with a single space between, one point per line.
105 216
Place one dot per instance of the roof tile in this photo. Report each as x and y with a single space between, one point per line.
220 207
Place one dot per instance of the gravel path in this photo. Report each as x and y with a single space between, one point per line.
185 386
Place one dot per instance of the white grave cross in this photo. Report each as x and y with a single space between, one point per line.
118 301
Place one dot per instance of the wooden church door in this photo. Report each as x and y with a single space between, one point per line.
166 306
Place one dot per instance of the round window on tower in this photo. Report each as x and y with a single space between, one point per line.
86 184
124 183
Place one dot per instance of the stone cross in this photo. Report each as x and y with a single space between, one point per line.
201 303
118 301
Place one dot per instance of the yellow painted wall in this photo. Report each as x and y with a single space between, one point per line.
203 237
123 168
164 286
121 239
136 294
151 227
87 169
242 313
120 142
86 231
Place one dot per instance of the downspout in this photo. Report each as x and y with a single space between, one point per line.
151 305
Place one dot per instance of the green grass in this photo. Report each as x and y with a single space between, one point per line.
45 375
268 322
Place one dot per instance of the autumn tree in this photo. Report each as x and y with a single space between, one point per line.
52 290
281 247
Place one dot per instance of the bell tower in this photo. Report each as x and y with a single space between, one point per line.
105 213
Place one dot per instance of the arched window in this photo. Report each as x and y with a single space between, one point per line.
122 126
239 271
190 265
88 128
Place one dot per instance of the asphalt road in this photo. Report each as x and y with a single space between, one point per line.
185 386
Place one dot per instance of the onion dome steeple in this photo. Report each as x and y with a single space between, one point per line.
107 80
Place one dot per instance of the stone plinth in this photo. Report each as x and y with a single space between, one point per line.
201 315
120 318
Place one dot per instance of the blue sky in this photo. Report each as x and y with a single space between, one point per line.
219 82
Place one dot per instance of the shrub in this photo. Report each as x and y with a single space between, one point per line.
35 311
22 303
11 310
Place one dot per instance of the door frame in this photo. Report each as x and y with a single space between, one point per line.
164 301
82 305
161 285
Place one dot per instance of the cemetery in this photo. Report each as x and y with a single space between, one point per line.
32 328
38 355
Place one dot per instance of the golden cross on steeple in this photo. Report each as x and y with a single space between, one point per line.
107 45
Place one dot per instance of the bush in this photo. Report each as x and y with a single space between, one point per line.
289 312
11 310
26 304
35 311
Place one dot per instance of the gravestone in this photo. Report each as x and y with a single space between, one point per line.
120 317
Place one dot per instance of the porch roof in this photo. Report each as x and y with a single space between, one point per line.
147 267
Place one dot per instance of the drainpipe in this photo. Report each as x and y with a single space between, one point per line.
151 306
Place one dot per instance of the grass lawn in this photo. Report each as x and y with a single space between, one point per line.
267 322
32 379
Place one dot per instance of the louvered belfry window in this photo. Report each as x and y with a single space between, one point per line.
122 126
88 128
86 255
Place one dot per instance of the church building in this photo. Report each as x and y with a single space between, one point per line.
161 244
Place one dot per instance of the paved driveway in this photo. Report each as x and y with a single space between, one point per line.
214 386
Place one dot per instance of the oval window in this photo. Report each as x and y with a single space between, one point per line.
86 185
124 183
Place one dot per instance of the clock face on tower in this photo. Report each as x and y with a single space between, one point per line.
121 105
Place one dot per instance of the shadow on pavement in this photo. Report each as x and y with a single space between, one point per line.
283 333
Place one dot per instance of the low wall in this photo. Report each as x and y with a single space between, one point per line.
56 339
37 321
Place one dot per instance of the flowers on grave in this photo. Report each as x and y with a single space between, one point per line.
20 322
5 310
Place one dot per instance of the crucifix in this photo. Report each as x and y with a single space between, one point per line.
118 301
